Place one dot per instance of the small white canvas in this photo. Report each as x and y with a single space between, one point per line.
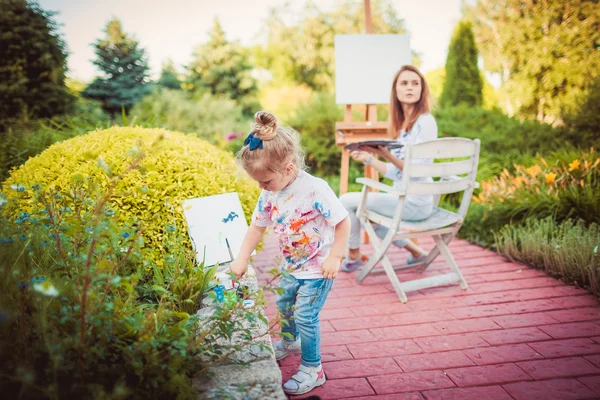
365 66
212 222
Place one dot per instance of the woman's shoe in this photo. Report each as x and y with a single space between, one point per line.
412 260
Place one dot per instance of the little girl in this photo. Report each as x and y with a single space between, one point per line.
312 227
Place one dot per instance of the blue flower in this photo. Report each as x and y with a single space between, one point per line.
125 235
109 212
35 187
170 228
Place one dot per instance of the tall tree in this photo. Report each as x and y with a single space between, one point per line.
463 83
222 68
33 63
436 79
302 51
168 76
124 67
546 52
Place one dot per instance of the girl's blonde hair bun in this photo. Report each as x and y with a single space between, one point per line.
265 125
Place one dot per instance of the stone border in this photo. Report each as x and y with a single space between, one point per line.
260 379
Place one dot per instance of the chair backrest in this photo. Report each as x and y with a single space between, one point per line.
463 171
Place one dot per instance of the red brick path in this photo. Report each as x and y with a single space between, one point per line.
516 333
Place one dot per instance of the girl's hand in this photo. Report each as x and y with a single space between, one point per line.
360 155
239 267
331 265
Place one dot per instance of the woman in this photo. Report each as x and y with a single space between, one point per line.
410 123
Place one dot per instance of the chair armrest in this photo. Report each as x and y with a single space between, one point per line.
476 185
378 185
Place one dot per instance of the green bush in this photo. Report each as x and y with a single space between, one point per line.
501 134
78 318
206 116
568 250
565 186
177 167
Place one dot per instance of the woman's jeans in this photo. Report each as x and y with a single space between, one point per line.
384 204
299 305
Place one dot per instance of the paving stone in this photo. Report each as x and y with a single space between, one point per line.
592 382
557 389
474 393
404 332
451 342
558 368
409 382
524 320
384 349
515 335
566 347
340 388
433 361
349 337
466 325
502 354
360 368
579 314
572 330
487 375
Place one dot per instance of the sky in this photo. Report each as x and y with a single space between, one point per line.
174 28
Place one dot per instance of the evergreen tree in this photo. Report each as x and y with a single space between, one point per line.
222 68
168 76
463 83
124 66
33 63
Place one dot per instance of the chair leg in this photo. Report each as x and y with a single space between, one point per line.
443 248
391 273
433 253
379 247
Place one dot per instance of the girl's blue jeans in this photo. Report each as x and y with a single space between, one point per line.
299 305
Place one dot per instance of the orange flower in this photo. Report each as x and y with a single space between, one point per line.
550 177
574 165
534 170
518 181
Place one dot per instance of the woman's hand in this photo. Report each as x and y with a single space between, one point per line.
380 151
359 155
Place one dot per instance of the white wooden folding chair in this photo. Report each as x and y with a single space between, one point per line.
442 225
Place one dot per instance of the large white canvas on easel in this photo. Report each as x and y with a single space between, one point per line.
365 66
210 221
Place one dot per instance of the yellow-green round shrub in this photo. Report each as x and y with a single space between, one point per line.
175 167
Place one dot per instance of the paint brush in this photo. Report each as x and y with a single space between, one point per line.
229 249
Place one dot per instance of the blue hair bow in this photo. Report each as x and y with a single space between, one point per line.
253 142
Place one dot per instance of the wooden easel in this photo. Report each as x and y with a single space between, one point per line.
351 132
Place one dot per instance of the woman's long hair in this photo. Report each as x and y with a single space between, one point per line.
423 106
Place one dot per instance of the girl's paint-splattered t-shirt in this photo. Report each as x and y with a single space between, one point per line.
303 216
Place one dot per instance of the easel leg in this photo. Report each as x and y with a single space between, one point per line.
344 171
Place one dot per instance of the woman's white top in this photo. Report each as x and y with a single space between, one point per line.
424 130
